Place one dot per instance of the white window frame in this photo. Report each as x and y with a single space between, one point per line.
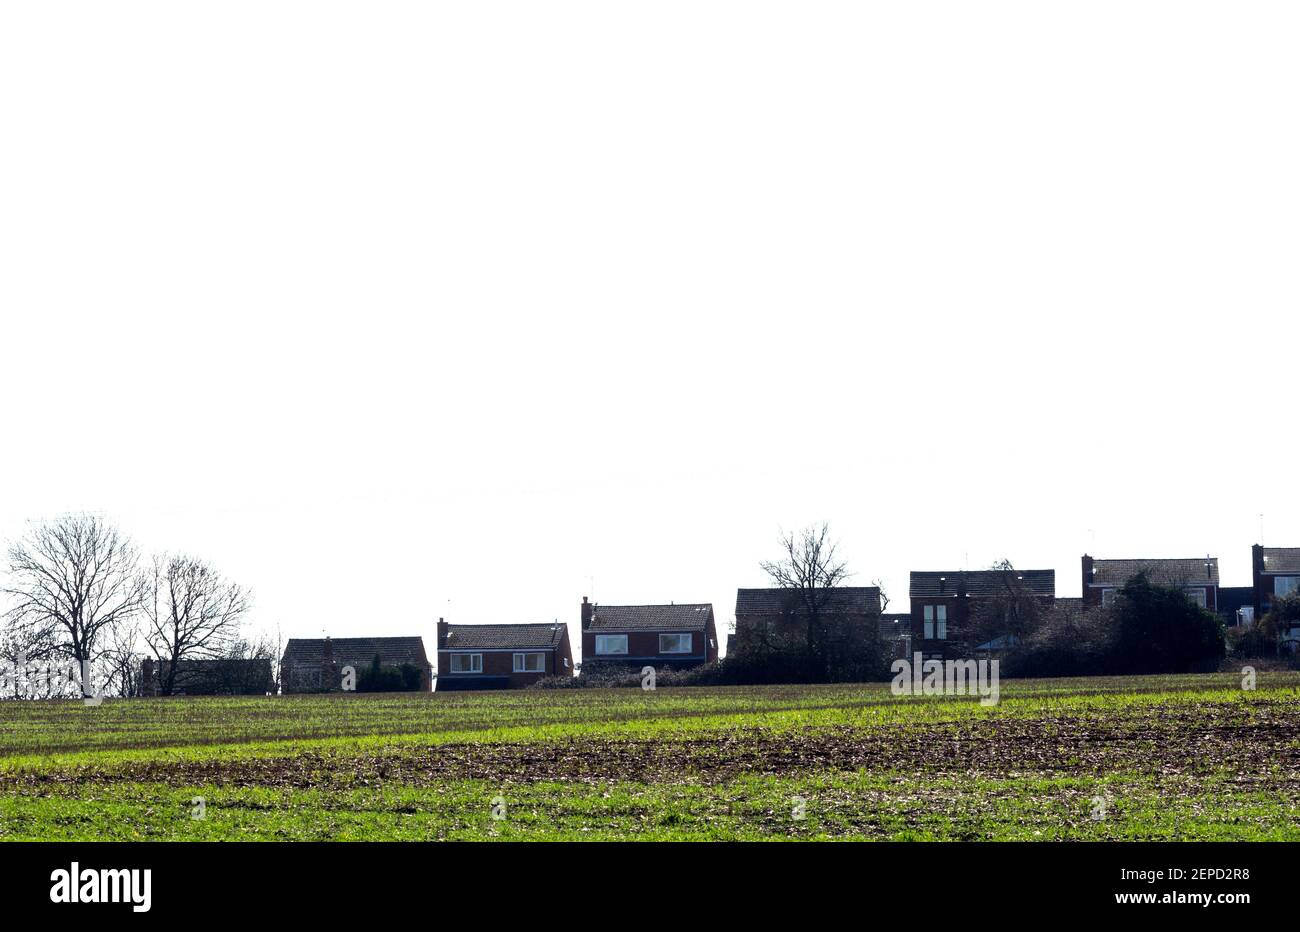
1285 585
1197 595
690 642
603 641
521 661
1108 596
475 663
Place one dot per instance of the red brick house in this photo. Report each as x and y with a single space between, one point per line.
317 664
1198 577
941 601
773 619
1275 573
501 656
660 636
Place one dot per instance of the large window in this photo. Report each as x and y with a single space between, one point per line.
611 643
674 643
466 663
1196 594
1285 585
530 663
935 622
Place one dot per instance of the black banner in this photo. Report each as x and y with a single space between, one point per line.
141 882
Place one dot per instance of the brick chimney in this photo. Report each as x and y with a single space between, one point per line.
588 610
442 633
1087 578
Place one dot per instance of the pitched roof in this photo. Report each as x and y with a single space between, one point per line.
538 636
685 617
893 626
1190 571
207 664
1282 559
935 583
391 651
856 600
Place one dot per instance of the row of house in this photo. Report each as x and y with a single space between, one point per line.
507 656
941 601
684 635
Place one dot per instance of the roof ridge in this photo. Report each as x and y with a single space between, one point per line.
993 569
648 604
797 589
504 624
1151 559
363 637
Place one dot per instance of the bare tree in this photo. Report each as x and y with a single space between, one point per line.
809 570
884 596
70 581
22 651
1010 612
274 647
121 658
192 613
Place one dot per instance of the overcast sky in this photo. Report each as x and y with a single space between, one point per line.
398 311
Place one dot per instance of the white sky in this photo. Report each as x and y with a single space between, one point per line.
397 311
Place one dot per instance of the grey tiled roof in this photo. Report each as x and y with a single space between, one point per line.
357 651
542 635
1188 572
857 600
1282 560
893 626
934 583
685 617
